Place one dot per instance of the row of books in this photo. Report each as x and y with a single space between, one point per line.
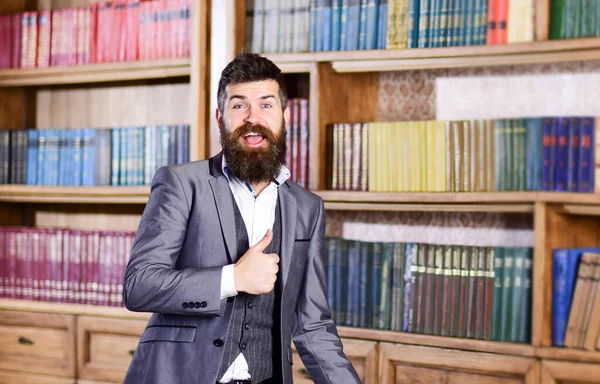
338 25
576 298
63 265
572 19
101 32
446 290
537 153
298 141
88 157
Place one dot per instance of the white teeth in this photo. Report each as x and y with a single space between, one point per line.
252 134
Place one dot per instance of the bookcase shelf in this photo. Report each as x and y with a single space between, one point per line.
569 354
438 341
94 73
551 51
51 194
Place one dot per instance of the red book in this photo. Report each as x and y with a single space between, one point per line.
288 138
492 23
156 48
303 143
32 39
93 33
75 249
63 58
5 41
3 263
16 46
72 33
45 33
54 37
502 21
188 27
132 31
24 38
119 31
79 14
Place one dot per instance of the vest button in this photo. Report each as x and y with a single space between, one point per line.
243 346
218 342
250 305
203 304
246 326
184 305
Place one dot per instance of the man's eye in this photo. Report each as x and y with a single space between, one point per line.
238 106
267 105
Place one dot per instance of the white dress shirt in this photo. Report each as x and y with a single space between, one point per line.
258 212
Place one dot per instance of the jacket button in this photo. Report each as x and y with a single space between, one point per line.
184 305
246 326
218 342
196 305
203 304
243 346
250 305
191 304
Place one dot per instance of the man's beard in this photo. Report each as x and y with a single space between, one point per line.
254 165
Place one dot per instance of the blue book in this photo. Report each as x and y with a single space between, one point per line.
586 155
565 262
368 24
424 23
115 155
410 259
336 24
32 156
382 16
88 157
376 283
562 154
341 276
413 23
344 24
313 26
319 25
63 161
352 314
366 264
549 126
362 25
573 154
326 24
534 153
352 25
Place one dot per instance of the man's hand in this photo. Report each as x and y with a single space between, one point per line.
256 272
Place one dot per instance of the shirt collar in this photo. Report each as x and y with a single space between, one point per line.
284 173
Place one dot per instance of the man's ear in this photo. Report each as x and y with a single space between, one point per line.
219 118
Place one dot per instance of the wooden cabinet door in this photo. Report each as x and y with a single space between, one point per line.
404 364
25 378
362 354
37 343
105 347
563 372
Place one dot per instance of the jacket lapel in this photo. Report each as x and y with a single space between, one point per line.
288 230
224 204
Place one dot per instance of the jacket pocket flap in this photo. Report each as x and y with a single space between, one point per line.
162 333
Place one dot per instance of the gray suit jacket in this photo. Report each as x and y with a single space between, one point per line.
185 237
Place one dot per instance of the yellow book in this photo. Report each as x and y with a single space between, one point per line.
392 36
431 155
394 154
372 158
449 151
385 157
440 156
404 156
415 156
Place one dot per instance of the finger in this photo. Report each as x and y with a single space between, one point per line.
264 242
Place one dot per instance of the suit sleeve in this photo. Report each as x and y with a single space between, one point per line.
152 283
314 332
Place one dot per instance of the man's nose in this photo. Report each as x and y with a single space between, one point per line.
252 116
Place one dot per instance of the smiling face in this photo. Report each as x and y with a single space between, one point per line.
253 134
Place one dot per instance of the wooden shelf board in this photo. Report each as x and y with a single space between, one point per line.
98 72
551 46
71 309
570 354
429 197
344 206
569 198
51 194
487 60
439 341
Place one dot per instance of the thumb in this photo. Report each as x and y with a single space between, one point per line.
264 242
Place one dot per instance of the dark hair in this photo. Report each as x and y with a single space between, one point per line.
249 67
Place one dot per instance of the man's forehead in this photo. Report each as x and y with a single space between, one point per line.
260 88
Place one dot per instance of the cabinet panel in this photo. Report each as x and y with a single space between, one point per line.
362 354
37 343
559 372
403 364
105 347
23 378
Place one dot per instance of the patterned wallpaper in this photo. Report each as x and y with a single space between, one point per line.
411 95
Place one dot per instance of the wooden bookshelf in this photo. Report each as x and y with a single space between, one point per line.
96 73
71 309
75 195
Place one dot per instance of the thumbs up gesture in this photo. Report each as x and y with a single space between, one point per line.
256 272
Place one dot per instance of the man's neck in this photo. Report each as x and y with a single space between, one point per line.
259 186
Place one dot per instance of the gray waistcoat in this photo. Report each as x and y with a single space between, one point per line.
250 328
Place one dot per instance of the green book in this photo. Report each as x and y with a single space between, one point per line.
497 295
507 307
558 19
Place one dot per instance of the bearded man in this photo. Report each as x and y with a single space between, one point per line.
229 255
